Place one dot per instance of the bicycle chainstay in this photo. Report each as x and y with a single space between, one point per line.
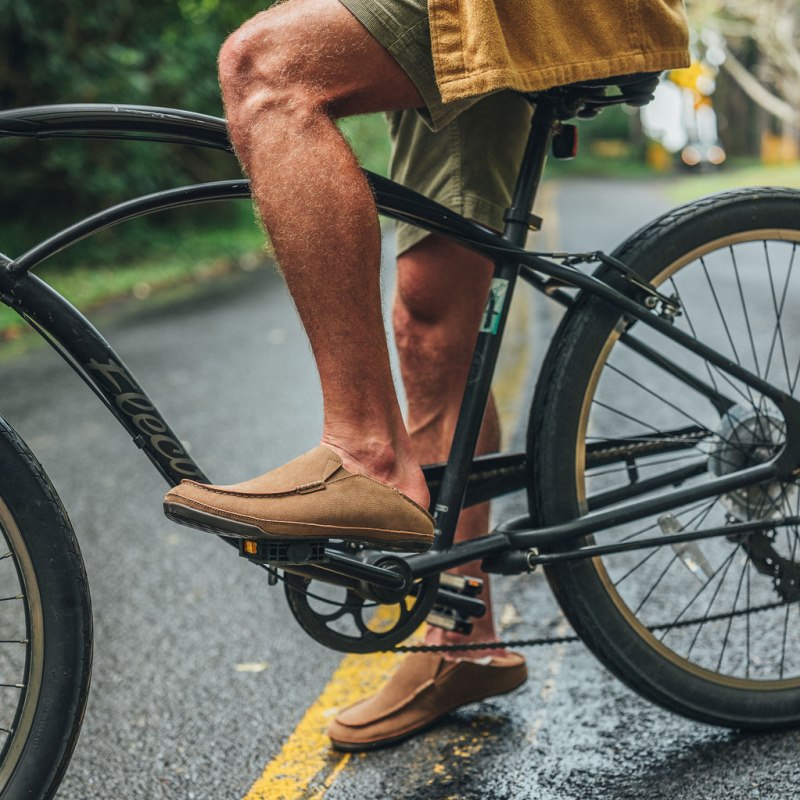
456 648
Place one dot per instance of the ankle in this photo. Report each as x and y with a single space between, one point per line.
379 460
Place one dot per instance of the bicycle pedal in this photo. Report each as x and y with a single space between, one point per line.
284 552
461 584
449 620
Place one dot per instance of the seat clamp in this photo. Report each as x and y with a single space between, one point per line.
526 218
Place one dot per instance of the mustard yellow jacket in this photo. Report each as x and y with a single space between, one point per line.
480 46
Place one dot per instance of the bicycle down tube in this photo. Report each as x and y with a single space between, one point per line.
98 365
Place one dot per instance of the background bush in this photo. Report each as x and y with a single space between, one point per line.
162 52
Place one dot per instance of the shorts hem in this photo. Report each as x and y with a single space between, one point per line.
467 205
409 55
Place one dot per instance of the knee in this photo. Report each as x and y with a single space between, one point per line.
424 335
259 70
238 55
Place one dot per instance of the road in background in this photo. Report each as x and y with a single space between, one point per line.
201 675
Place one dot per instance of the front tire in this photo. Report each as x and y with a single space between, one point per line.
45 628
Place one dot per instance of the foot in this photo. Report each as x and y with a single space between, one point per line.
311 497
423 689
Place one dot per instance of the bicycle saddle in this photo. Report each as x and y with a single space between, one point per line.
588 98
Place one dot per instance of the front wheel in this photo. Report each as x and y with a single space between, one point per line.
710 629
45 628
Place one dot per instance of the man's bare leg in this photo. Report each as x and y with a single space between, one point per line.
441 293
285 76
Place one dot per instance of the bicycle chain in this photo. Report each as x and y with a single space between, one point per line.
631 450
538 642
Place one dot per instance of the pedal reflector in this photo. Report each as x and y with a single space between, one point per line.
284 551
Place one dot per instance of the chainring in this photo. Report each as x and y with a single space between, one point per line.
358 623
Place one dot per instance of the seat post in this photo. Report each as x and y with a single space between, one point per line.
518 217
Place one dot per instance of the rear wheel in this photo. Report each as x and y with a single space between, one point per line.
45 628
710 630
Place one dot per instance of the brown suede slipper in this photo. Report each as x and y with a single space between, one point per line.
311 497
424 688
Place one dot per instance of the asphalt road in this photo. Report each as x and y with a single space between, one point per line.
204 687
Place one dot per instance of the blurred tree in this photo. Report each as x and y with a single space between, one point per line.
773 27
162 52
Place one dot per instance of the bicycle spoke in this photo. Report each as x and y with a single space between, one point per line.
714 596
777 334
601 404
733 609
724 322
702 589
692 330
658 397
655 585
654 525
635 567
719 310
744 309
655 550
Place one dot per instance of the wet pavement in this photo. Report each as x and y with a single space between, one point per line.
201 676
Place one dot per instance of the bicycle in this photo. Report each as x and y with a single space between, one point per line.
690 488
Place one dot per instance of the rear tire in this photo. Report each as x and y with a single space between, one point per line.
587 371
53 613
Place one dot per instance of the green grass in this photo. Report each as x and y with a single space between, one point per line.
690 187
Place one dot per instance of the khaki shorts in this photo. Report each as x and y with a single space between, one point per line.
465 154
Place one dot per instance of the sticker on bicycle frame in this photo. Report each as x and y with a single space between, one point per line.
494 305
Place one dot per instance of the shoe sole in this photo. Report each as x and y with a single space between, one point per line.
347 747
223 526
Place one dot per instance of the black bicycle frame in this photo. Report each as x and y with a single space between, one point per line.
463 480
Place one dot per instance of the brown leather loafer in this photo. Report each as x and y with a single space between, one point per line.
311 497
424 688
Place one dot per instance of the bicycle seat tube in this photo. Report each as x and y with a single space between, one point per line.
518 221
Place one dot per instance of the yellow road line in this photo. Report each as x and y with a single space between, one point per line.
306 766
329 781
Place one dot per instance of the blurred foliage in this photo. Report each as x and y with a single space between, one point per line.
369 137
121 51
161 53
